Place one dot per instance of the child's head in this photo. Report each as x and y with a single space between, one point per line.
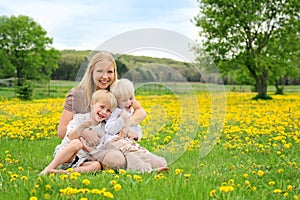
123 90
102 104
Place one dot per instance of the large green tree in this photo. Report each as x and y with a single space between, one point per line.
25 49
241 31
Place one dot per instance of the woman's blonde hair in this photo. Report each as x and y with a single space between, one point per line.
87 83
105 97
122 88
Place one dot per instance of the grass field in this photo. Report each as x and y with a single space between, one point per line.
256 156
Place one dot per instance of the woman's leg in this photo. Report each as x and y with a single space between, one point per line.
114 159
66 155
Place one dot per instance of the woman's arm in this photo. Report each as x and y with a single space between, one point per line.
65 118
138 115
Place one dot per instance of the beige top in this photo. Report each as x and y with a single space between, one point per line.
75 101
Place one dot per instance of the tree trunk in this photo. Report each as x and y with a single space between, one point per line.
279 90
261 84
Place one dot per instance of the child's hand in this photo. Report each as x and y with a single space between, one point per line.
85 130
126 133
85 146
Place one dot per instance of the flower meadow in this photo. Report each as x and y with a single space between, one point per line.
255 156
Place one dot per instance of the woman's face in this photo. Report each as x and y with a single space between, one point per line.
103 74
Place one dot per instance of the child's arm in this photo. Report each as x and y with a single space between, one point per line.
116 122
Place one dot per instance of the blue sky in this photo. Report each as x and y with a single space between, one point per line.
84 25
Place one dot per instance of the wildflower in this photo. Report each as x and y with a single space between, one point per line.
231 181
70 170
296 197
86 181
289 188
20 168
202 165
187 175
33 198
64 177
212 193
48 187
287 146
271 183
245 176
24 178
83 198
122 171
138 178
117 187
277 191
178 171
286 194
280 171
260 173
113 182
96 191
226 188
108 195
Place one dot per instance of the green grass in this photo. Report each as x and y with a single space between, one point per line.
205 174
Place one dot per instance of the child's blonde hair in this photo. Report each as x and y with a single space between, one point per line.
122 88
105 97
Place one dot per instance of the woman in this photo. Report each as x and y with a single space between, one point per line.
101 72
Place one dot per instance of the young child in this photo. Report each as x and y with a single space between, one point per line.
71 153
119 134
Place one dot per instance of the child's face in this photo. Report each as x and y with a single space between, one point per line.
126 102
100 111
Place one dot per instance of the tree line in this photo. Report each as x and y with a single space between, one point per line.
251 42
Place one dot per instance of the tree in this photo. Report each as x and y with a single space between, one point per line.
240 31
25 50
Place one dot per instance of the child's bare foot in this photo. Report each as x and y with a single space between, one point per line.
161 169
55 171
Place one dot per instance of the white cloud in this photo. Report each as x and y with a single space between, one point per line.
87 24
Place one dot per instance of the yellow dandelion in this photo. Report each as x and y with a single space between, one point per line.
122 171
280 171
178 171
271 183
277 191
108 195
290 188
48 187
231 181
245 176
117 187
63 177
187 175
23 178
70 170
20 168
86 181
226 188
260 173
33 198
113 182
212 193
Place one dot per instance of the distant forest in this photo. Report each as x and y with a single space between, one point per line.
72 65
